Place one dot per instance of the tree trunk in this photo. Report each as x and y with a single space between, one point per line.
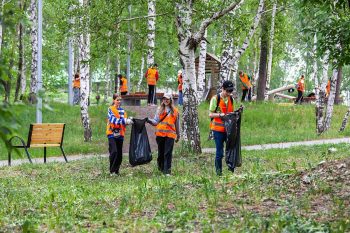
7 83
1 23
314 67
128 62
272 35
108 79
226 57
34 44
330 103
263 59
338 86
201 67
20 72
141 73
84 60
345 120
151 36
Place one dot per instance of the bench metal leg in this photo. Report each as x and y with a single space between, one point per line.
65 158
30 160
9 157
44 154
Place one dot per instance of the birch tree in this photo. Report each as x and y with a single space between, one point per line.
141 73
188 41
201 66
1 22
84 62
226 56
20 72
34 44
151 36
272 35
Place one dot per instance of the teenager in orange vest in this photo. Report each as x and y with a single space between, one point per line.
167 124
123 85
246 86
216 111
301 89
180 82
76 89
152 76
115 131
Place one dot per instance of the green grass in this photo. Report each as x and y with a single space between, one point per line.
260 197
262 123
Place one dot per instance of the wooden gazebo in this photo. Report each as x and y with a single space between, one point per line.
212 69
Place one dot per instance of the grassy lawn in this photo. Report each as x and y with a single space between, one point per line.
267 194
262 123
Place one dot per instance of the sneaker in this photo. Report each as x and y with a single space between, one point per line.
168 174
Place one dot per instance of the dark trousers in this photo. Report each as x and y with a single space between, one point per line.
165 153
299 98
245 92
123 93
115 154
219 138
151 94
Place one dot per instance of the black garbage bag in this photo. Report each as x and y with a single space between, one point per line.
139 149
232 123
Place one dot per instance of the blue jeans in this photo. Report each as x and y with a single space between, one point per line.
219 138
180 98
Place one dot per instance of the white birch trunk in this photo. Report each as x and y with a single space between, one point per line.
331 99
272 35
226 58
321 95
128 62
237 54
201 67
141 73
314 67
84 59
345 120
108 79
34 44
151 36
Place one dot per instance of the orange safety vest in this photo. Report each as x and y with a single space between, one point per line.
217 124
301 85
179 80
167 128
111 126
76 83
246 81
151 76
124 86
328 88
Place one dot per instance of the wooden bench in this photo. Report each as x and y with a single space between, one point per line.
40 135
135 99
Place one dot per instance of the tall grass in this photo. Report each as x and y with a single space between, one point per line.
261 123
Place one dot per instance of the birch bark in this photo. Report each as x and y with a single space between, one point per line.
201 67
226 57
331 98
20 71
1 22
151 36
84 60
34 43
272 35
141 73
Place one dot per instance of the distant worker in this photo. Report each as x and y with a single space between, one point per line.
246 86
301 89
180 83
220 105
152 76
328 88
76 89
123 84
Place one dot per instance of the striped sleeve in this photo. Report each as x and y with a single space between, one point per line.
113 119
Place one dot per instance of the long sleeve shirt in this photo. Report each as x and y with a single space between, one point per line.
155 121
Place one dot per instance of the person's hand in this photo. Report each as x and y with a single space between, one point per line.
129 121
177 139
221 114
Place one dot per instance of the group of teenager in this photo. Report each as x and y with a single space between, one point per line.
167 123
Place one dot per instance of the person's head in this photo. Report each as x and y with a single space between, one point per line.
302 76
240 73
167 100
119 76
76 76
179 72
227 88
155 65
117 99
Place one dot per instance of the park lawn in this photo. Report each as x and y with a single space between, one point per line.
261 123
267 194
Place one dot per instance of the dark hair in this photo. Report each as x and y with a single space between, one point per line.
115 95
76 75
155 65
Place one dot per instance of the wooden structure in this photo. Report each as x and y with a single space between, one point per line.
41 135
212 71
135 99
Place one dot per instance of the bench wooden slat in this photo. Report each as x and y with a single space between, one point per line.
45 145
47 134
45 140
